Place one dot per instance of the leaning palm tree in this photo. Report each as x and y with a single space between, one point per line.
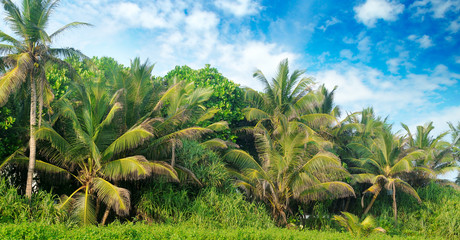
24 58
292 166
381 163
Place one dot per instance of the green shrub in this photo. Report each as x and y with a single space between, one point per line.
16 208
207 166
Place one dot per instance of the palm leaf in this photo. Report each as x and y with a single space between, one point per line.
215 143
129 140
84 207
133 167
115 197
218 126
242 159
67 27
11 81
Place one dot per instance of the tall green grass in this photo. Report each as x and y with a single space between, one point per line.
210 208
38 231
15 208
438 215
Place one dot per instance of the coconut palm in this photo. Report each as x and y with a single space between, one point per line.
381 163
439 157
24 58
95 153
355 227
287 93
292 166
181 108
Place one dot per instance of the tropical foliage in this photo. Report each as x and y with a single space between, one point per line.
194 148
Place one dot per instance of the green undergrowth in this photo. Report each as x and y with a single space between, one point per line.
438 215
144 231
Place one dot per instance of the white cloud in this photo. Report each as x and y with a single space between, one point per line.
424 41
398 63
438 8
457 59
363 45
454 26
405 98
170 33
369 12
347 54
329 23
238 8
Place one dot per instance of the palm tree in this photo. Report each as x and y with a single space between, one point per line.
292 166
355 227
381 162
181 108
24 58
94 153
288 94
439 157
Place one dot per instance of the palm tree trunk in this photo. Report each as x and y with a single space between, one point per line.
395 210
347 204
173 154
40 104
372 202
106 214
32 141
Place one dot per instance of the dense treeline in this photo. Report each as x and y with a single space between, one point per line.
108 142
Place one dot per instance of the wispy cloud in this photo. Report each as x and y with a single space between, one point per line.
173 32
437 8
423 41
328 23
239 8
372 10
400 97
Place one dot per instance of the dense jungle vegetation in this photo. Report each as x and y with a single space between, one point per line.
191 155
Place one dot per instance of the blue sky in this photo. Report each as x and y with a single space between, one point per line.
401 57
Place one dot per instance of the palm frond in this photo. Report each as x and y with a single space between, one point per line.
67 27
84 207
405 187
252 114
218 126
162 168
129 140
11 80
133 167
115 197
215 143
242 159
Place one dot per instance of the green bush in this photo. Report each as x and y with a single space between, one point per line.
207 166
15 208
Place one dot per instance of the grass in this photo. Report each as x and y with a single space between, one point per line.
37 231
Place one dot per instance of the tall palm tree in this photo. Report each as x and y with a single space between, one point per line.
292 166
381 163
24 58
96 153
287 93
